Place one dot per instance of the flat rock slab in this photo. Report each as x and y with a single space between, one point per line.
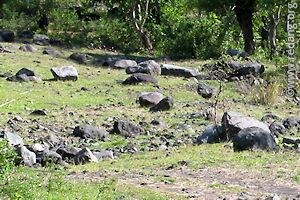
253 138
173 70
122 63
52 52
233 122
140 78
65 73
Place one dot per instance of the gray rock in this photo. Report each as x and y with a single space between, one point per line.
234 122
65 73
158 123
50 156
52 140
7 36
294 141
253 138
81 58
28 158
204 90
277 128
212 134
52 52
25 34
172 70
104 155
235 52
253 68
127 129
28 48
40 39
140 78
166 103
84 156
24 75
149 98
269 118
39 112
147 67
38 147
291 122
90 132
122 63
68 153
13 138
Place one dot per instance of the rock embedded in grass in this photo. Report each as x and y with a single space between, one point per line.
40 39
121 63
127 129
12 138
277 128
291 122
28 158
24 75
28 48
149 98
204 90
90 132
173 70
65 73
84 156
211 134
52 52
140 78
253 138
165 104
81 58
104 155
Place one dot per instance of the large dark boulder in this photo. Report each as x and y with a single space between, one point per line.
140 78
24 75
149 98
68 153
127 129
253 138
65 73
204 90
166 103
7 36
250 68
90 132
233 122
173 70
212 134
25 34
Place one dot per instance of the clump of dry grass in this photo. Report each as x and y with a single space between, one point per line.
267 94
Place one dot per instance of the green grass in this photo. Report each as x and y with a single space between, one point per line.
68 106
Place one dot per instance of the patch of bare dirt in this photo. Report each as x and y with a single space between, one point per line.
209 183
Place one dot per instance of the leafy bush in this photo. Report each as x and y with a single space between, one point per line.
7 157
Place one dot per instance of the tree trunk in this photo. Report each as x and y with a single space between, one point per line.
145 39
244 12
274 19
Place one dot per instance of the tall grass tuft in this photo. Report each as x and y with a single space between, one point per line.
267 94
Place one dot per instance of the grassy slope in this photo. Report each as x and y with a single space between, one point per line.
106 98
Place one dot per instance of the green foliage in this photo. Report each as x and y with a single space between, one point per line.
7 157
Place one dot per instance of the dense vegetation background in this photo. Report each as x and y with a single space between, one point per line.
176 28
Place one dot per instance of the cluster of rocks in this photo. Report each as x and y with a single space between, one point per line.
248 133
233 70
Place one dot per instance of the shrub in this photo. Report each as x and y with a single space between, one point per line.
267 95
7 157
